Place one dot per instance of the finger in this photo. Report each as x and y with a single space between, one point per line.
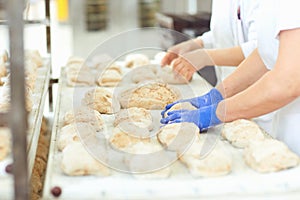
178 67
170 105
175 121
170 117
168 58
177 112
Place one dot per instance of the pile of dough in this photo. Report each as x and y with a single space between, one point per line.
269 155
136 60
167 75
110 76
151 96
101 100
144 73
122 139
77 76
84 115
241 132
178 136
4 143
148 161
73 132
74 60
76 161
181 106
34 56
138 116
216 162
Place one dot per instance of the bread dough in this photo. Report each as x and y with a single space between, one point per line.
76 161
73 132
101 100
4 142
151 96
269 155
241 132
136 60
77 76
144 73
3 56
178 136
138 116
34 56
122 139
85 115
181 106
167 75
109 78
3 71
75 60
216 162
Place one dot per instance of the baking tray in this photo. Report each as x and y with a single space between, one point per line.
34 126
180 185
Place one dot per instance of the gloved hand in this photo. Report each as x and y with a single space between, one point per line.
204 117
180 49
188 63
212 97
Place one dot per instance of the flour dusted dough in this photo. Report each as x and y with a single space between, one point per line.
151 96
76 161
34 56
144 73
122 139
3 71
269 155
138 116
136 60
75 60
3 56
178 136
72 133
77 76
241 132
109 78
4 143
216 162
101 100
86 115
181 106
167 75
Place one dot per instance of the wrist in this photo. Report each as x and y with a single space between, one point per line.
199 42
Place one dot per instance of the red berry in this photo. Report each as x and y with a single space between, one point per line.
56 191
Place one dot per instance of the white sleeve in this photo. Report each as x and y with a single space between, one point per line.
207 39
251 9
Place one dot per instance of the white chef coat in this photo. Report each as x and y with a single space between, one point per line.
227 30
274 16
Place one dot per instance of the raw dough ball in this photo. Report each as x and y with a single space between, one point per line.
269 156
76 161
34 56
167 75
137 116
72 133
77 76
109 77
178 136
3 56
122 139
4 143
85 115
3 71
101 100
75 60
136 60
151 96
216 162
181 106
241 132
145 73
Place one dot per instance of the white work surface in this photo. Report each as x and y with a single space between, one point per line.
241 182
34 123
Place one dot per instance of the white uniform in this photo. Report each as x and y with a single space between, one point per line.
274 16
227 30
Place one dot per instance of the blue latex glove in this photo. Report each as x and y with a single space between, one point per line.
203 117
212 97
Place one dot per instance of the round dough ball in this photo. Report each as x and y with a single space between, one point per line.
34 56
4 143
136 60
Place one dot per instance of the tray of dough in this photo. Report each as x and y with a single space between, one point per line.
100 159
37 85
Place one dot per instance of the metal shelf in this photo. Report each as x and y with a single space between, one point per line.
45 22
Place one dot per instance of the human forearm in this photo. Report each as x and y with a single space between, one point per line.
227 57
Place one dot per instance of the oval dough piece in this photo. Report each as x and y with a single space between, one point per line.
181 106
136 60
151 96
85 115
145 73
240 132
269 155
76 161
167 75
137 116
101 100
109 78
34 56
4 143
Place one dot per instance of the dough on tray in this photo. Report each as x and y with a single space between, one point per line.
137 116
75 60
109 77
241 132
181 106
269 155
144 73
4 142
80 76
101 100
3 71
76 161
178 136
35 57
151 96
85 115
136 60
216 162
3 56
72 133
167 75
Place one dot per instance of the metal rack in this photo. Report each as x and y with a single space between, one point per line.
17 118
